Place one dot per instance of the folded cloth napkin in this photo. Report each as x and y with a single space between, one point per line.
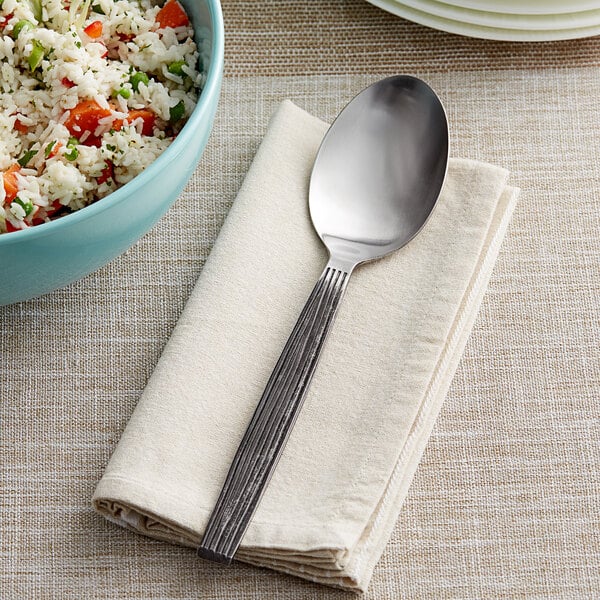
339 486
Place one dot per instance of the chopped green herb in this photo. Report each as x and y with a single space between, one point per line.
27 157
72 154
97 9
137 78
176 112
111 147
37 55
36 9
26 206
177 68
72 147
49 149
22 25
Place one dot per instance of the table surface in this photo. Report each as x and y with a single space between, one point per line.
505 501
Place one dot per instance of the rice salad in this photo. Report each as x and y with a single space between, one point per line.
91 92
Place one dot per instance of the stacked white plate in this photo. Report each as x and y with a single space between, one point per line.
512 20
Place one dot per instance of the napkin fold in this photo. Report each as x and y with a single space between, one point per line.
335 496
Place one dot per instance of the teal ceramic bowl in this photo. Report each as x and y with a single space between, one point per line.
49 256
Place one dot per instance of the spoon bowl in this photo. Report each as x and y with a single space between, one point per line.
376 179
379 170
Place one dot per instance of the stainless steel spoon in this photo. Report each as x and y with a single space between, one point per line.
375 181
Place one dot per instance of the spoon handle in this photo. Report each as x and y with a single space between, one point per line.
273 419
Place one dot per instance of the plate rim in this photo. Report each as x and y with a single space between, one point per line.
546 22
518 8
480 31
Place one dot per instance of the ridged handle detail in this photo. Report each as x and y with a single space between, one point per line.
273 419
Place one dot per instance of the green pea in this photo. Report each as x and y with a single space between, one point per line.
123 92
138 78
176 112
177 68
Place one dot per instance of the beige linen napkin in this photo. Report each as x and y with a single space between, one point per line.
383 374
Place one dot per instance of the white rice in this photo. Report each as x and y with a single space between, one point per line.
35 104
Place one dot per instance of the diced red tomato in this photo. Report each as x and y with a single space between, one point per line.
21 127
67 82
56 205
6 19
11 187
92 140
48 211
86 116
10 227
107 173
125 37
147 116
172 14
94 29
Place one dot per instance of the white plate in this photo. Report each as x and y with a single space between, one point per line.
527 7
480 31
576 20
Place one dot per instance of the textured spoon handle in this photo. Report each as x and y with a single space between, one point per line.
267 433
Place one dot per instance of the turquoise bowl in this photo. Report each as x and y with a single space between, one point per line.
49 256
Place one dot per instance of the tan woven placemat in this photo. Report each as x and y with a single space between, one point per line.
291 37
505 502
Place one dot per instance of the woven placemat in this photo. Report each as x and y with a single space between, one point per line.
289 37
505 501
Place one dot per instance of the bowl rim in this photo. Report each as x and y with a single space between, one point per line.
210 90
